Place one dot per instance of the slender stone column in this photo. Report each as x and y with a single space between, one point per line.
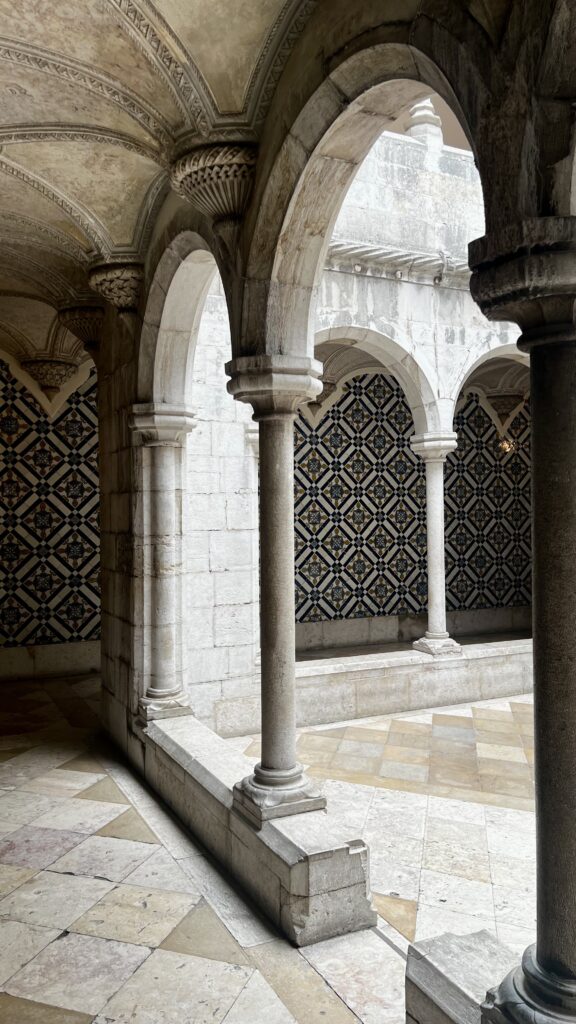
275 387
159 433
533 282
434 448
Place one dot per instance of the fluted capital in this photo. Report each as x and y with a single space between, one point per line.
216 179
51 374
526 273
85 323
160 424
119 283
434 447
274 385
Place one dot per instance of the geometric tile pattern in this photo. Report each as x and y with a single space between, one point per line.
360 515
487 503
49 533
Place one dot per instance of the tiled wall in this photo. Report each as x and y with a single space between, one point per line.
487 489
49 537
361 510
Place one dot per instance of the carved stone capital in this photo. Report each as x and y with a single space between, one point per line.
118 283
160 424
216 179
434 447
51 374
526 273
274 385
85 323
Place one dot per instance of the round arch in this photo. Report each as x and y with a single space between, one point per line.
510 351
315 165
395 359
172 318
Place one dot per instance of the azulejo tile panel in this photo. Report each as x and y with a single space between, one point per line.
360 518
49 546
487 500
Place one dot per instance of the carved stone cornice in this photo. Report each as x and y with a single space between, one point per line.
118 283
274 385
434 267
216 179
526 273
434 447
85 323
51 374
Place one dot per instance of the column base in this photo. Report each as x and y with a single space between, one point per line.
163 706
529 995
271 794
438 646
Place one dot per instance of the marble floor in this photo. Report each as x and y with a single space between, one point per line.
111 914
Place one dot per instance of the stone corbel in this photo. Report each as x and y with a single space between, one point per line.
85 323
119 283
274 385
434 447
217 180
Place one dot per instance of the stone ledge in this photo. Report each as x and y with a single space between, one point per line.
447 978
303 871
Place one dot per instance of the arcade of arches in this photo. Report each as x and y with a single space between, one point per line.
287 447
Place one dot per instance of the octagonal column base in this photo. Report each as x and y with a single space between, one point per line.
275 793
530 995
438 646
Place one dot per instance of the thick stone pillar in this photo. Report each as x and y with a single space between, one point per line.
159 434
434 448
275 387
528 275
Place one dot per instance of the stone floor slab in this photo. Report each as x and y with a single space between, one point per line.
12 876
161 871
202 933
78 972
129 825
19 943
258 1001
53 900
24 1011
131 914
76 815
101 857
170 988
33 847
59 782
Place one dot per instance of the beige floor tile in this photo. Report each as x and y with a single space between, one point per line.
499 752
12 876
79 815
366 734
360 748
84 763
433 921
405 725
105 790
450 892
303 991
410 739
398 770
135 915
174 988
453 777
491 715
78 972
19 943
454 859
406 755
103 857
401 914
460 721
503 784
7 826
514 769
161 871
317 741
23 1011
61 783
258 1001
26 807
202 933
52 900
505 739
129 825
353 764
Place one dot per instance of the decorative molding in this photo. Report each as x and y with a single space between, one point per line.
15 134
401 262
64 242
216 179
50 374
57 287
149 208
273 57
183 79
119 283
78 74
81 216
160 424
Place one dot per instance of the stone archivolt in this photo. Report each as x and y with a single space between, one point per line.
217 180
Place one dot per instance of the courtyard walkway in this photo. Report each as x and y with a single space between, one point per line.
110 913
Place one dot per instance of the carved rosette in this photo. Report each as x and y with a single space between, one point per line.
50 374
118 283
216 179
85 323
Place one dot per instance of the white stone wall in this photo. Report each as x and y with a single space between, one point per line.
220 524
